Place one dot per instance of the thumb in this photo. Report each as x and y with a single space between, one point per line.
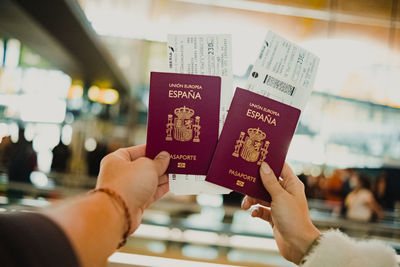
161 161
269 180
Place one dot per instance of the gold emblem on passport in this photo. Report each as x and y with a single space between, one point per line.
183 127
239 183
181 165
251 146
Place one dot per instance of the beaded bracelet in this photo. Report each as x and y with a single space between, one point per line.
310 250
114 195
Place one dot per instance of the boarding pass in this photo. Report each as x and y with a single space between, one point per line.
204 54
283 71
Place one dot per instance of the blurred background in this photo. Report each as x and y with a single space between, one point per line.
74 81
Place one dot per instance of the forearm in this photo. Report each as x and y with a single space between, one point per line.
94 224
97 223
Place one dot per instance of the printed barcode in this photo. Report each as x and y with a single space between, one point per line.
170 52
278 84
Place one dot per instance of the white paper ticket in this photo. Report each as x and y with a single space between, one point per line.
204 54
283 71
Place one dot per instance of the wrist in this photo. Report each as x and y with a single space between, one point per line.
136 215
308 239
111 210
120 207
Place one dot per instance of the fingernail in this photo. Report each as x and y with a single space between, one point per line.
265 168
254 212
163 155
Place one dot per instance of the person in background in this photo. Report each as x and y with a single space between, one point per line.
23 160
381 190
333 188
86 230
360 203
61 155
6 147
94 157
346 188
345 177
313 187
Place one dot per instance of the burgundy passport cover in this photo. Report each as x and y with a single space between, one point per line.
257 129
183 120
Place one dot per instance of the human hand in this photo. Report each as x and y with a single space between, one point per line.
287 212
139 180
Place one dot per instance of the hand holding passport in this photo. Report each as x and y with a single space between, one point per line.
257 129
184 114
183 120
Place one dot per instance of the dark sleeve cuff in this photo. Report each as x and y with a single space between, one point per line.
32 239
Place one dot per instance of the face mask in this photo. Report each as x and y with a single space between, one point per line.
353 183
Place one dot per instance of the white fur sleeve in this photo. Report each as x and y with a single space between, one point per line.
336 249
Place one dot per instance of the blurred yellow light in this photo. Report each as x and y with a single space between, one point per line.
75 91
110 96
93 93
103 95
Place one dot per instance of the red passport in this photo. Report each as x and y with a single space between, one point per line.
183 120
257 129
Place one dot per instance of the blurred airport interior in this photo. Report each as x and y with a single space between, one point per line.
74 84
